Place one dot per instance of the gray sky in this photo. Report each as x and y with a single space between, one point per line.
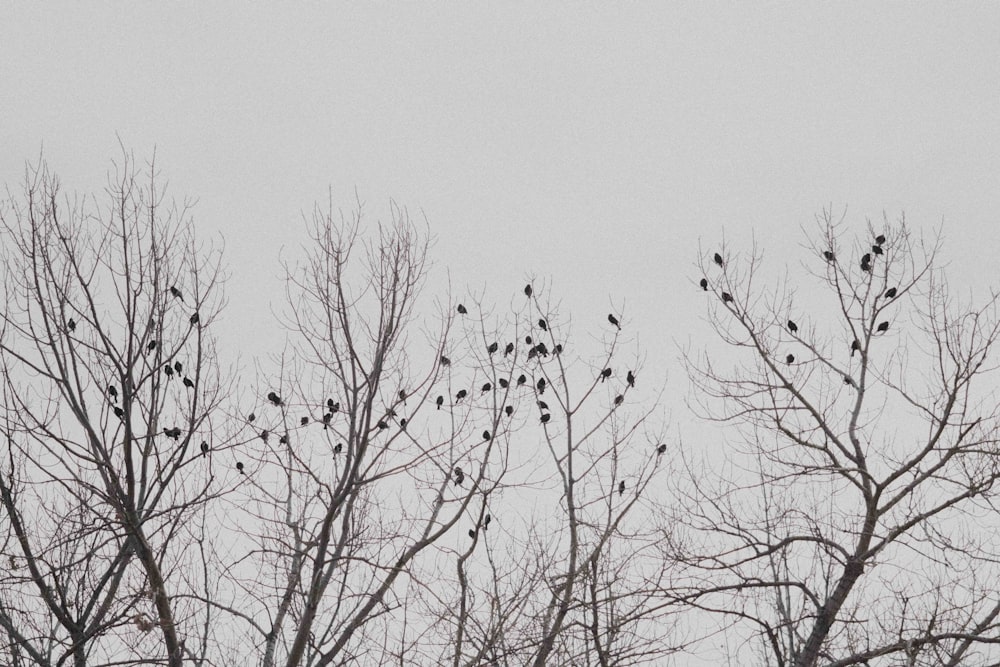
590 146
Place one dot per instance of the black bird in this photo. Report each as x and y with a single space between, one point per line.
614 321
849 380
459 476
402 423
335 407
605 374
304 421
472 533
392 413
880 239
402 396
239 467
326 420
726 297
486 522
382 425
704 284
532 353
194 319
543 325
546 417
174 432
118 412
541 385
883 327
462 310
558 348
169 370
460 395
251 417
264 435
508 349
509 410
339 447
487 387
503 383
71 324
790 359
329 402
792 326
151 346
621 488
283 440
877 249
113 392
828 255
176 293
661 449
618 399
178 366
527 340
494 346
204 448
855 346
542 405
527 290
867 258
486 435
890 293
445 361
188 382
521 379
439 401
542 349
630 378
274 398
717 259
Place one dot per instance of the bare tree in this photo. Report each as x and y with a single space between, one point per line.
852 524
109 385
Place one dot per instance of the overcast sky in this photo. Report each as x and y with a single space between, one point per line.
593 147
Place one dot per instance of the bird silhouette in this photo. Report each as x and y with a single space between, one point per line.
890 293
194 319
462 310
402 396
178 366
204 448
546 417
326 420
866 258
661 449
521 379
503 383
439 401
71 324
541 385
265 434
169 370
704 284
402 423
486 435
527 290
486 522
113 392
855 346
717 258
274 398
304 421
445 361
118 412
849 380
329 402
605 374
614 321
494 346
174 432
542 324
460 395
790 358
792 326
188 382
486 387
151 346
459 476
630 378
618 399
883 327
621 488
877 249
828 255
472 533
283 440
880 239
251 417
508 349
543 350
239 467
339 447
176 293
558 348
382 425
527 340
509 410
532 353
726 297
542 405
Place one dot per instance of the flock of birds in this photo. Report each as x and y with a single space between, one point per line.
866 266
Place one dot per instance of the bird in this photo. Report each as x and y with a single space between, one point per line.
508 349
338 448
472 533
541 385
542 349
304 421
605 374
486 435
621 488
169 370
521 379
335 407
326 420
546 417
274 398
527 290
661 449
792 326
113 392
867 258
717 259
532 353
542 324
174 432
382 425
194 318
527 340
265 434
460 395
630 378
402 396
251 417
704 284
880 239
445 361
828 255
71 324
509 410
614 321
459 476
402 423
178 366
462 310
329 403
283 440
790 358
558 348
503 383
848 380
239 467
618 399
118 412
188 382
151 346
439 401
486 522
486 387
890 293
542 405
176 292
493 347
855 346
726 297
204 448
877 249
883 327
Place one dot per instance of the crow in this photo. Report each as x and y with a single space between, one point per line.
790 359
339 447
828 255
726 297
402 396
541 385
239 466
304 421
542 324
151 346
558 348
605 374
503 383
264 435
71 324
113 392
283 440
118 412
542 405
460 395
883 327
792 326
527 340
194 319
890 293
486 522
472 533
439 401
445 361
621 488
717 259
251 417
178 366
508 349
204 448
188 382
326 420
382 425
618 399
880 239
462 310
402 423
704 284
274 398
542 349
614 321
521 379
329 402
509 410
849 380
855 346
546 417
176 293
459 476
661 449
877 249
486 435
527 290
486 387
494 346
169 370
630 378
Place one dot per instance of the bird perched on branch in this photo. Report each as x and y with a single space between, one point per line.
459 476
661 449
630 378
304 421
239 467
541 385
194 318
339 447
614 321
176 293
460 395
855 346
188 382
717 258
486 387
882 327
546 417
542 324
486 435
462 310
439 401
828 255
509 410
790 359
521 379
618 399
445 361
704 284
792 326
274 398
508 349
204 448
880 239
726 297
71 324
527 290
605 374
493 347
113 392
503 383
621 488
890 293
151 346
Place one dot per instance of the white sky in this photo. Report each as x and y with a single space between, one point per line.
590 146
